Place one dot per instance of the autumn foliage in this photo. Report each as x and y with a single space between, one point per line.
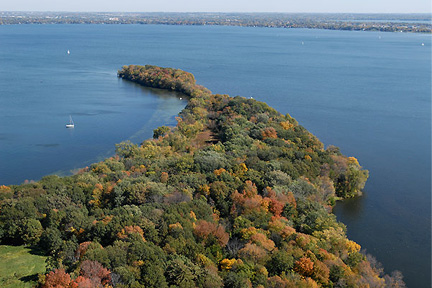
304 266
95 272
57 279
235 195
204 229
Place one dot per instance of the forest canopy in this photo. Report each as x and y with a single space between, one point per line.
235 195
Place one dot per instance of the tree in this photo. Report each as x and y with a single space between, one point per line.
253 253
95 272
57 279
31 231
304 266
160 131
203 229
51 240
181 272
280 261
395 280
234 280
269 132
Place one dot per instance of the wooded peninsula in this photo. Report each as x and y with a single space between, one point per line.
235 195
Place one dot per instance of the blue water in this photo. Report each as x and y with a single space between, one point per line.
41 85
366 92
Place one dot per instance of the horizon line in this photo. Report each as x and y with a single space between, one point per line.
219 12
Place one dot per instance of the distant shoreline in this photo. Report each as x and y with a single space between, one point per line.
413 23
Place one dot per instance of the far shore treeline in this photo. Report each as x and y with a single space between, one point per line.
384 22
235 195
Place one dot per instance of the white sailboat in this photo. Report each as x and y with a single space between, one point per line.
71 123
68 52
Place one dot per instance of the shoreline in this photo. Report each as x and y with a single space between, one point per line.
410 23
234 185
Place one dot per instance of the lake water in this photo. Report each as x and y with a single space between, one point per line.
367 92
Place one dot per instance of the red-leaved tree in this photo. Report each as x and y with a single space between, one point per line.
57 279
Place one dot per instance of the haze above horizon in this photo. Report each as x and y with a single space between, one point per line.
308 6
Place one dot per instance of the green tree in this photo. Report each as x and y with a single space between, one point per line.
181 272
31 231
160 132
280 262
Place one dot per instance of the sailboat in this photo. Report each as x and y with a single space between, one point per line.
68 52
71 123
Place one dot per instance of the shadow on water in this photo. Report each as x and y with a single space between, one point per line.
350 208
161 93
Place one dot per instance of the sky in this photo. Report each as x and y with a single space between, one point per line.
335 6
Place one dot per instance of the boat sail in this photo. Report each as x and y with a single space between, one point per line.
71 123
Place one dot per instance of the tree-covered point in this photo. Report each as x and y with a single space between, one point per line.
163 78
235 195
